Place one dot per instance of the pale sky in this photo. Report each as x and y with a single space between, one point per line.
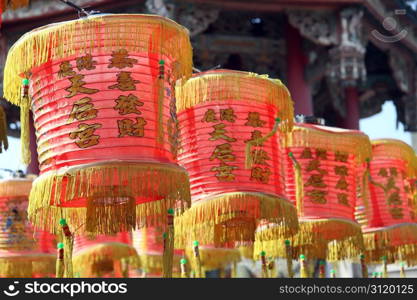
382 125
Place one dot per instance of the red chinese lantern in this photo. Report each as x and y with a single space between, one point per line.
21 255
101 90
324 169
149 244
227 121
101 255
390 230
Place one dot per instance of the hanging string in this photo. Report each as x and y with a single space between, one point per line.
264 265
363 266
183 263
68 240
60 267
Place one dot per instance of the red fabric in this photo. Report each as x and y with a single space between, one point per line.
53 123
198 148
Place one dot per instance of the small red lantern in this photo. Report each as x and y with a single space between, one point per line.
390 229
101 255
104 117
149 244
227 121
21 255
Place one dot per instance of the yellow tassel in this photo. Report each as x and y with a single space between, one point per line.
214 258
4 144
333 273
248 148
299 194
264 264
183 268
363 266
60 265
288 252
168 255
322 271
25 133
234 270
402 270
384 267
196 251
303 267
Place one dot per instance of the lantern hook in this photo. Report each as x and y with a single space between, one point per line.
81 11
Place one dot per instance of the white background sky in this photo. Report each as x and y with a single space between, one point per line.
382 125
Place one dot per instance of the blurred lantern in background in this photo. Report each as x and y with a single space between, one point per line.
21 255
4 144
149 244
228 120
104 256
324 169
101 90
390 228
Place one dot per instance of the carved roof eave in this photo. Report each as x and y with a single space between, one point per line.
379 10
40 9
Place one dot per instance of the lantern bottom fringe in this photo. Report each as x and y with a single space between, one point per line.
99 259
312 240
385 242
214 258
108 192
232 217
42 265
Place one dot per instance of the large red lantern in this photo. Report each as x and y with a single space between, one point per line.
21 255
324 169
101 90
390 228
103 255
227 121
149 244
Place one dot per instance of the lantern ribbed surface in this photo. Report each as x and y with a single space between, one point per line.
149 245
21 255
390 228
228 121
324 168
101 255
101 90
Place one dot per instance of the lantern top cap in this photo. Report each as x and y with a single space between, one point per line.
15 187
396 149
224 85
331 139
163 37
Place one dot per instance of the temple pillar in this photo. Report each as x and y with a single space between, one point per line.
296 63
351 120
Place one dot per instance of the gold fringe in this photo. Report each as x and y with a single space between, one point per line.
222 85
213 258
379 242
232 217
133 32
4 144
349 248
168 254
27 265
98 259
355 143
398 150
150 180
246 251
